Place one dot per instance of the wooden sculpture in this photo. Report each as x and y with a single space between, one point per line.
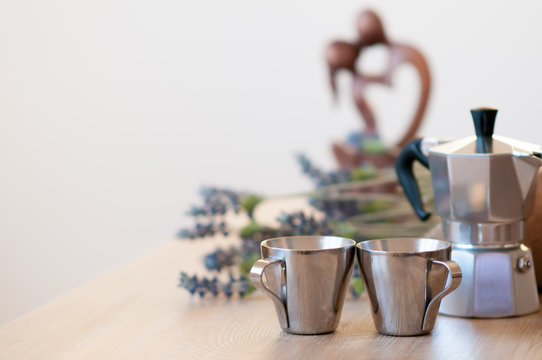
342 55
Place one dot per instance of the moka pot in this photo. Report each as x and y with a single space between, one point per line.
484 189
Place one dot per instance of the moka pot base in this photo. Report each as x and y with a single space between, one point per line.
497 282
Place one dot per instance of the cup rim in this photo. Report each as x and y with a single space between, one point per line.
349 243
443 245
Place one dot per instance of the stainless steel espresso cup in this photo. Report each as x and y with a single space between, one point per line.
405 279
307 278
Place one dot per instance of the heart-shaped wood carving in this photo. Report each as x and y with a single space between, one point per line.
342 55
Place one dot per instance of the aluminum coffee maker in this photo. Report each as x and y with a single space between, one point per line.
484 188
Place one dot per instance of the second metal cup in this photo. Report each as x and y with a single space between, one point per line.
405 280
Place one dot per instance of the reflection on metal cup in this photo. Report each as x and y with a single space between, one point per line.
307 278
405 280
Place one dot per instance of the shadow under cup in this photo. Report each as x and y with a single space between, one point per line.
307 278
405 280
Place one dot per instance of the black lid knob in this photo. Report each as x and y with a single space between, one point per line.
484 121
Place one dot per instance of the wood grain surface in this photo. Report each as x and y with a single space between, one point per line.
137 312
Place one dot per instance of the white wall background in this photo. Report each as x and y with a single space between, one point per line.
112 113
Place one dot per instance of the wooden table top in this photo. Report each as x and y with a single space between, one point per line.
137 311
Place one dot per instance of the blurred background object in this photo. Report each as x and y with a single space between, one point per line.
364 146
113 113
533 232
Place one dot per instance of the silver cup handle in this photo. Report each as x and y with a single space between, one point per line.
256 273
454 272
